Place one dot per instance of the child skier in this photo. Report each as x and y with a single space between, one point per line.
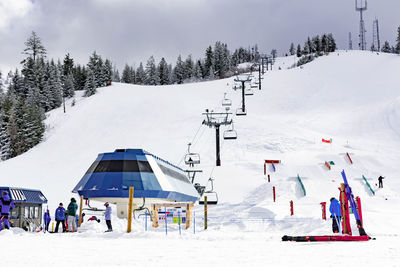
107 215
6 205
336 214
46 220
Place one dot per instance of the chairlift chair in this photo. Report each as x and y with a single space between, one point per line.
191 158
249 92
240 112
230 134
212 196
226 101
253 85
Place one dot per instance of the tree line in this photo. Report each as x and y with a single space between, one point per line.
40 86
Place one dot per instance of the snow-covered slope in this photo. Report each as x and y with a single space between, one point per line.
351 97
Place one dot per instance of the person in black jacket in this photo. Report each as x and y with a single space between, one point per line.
380 181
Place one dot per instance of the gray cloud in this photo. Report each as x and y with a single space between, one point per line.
131 31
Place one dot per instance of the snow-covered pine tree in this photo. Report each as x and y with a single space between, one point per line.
115 74
292 50
126 75
68 65
331 43
107 72
151 72
179 71
140 74
316 43
56 88
208 62
306 48
163 72
298 51
34 47
188 68
397 48
69 86
386 47
198 72
90 85
5 150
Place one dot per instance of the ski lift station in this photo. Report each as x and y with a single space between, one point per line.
27 213
154 180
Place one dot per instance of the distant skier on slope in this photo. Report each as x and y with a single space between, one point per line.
380 180
336 214
6 205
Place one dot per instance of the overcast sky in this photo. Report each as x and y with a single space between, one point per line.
130 31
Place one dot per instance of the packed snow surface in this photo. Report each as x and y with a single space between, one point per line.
352 98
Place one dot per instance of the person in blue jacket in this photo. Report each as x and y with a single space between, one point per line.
107 217
46 220
60 217
6 205
336 214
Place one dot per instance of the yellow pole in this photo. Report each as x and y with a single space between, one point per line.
80 212
205 213
52 226
130 209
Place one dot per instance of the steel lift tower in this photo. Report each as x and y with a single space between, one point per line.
350 42
376 40
363 43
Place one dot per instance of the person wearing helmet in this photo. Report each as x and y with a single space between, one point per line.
6 205
72 208
336 214
107 216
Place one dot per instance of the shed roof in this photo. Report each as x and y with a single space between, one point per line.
23 195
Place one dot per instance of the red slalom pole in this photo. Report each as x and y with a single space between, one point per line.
265 168
323 206
273 190
291 208
358 200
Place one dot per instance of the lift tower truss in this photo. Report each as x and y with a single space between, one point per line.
363 7
215 120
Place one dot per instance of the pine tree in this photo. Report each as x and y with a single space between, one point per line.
151 72
274 53
90 85
5 150
115 75
69 86
34 47
179 71
140 75
386 48
198 71
188 68
127 75
397 48
107 72
317 44
68 65
298 51
292 50
163 72
208 62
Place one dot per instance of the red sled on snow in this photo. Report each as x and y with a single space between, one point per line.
325 238
328 141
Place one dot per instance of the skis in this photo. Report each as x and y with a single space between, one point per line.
350 198
325 238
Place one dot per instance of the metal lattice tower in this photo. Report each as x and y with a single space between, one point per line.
376 41
350 42
363 43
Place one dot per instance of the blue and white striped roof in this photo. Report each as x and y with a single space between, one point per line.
23 195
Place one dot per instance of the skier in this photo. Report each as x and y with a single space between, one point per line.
60 217
46 220
6 205
107 215
72 208
380 181
336 214
94 218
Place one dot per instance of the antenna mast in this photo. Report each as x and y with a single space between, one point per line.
363 43
350 42
376 40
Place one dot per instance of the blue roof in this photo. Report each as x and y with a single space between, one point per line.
23 195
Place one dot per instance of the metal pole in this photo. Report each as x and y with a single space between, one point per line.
80 212
243 98
179 222
259 77
194 222
166 230
145 222
217 144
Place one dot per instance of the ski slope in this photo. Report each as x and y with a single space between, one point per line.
351 97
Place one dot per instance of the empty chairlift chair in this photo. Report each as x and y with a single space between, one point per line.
230 134
226 101
191 158
212 196
249 92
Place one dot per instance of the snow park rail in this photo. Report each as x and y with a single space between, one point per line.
369 186
301 184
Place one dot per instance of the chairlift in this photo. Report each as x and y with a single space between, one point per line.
249 92
212 196
230 134
191 158
226 101
240 112
253 85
